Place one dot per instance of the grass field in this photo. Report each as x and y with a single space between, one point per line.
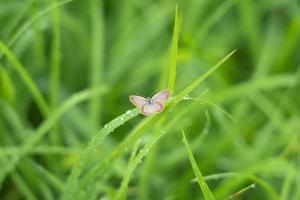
230 129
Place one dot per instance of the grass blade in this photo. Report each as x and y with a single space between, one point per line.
200 179
71 187
201 78
174 49
96 56
122 193
25 77
27 24
265 185
241 191
46 126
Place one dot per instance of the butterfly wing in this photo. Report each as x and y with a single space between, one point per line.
161 96
138 101
149 109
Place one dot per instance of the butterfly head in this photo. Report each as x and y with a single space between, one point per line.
149 100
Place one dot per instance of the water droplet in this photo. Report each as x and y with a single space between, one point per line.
186 97
128 112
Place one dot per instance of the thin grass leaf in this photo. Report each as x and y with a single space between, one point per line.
23 187
241 191
214 18
71 187
196 82
51 178
55 56
27 80
7 88
40 150
174 49
259 181
122 192
97 43
55 68
200 179
27 24
46 126
287 184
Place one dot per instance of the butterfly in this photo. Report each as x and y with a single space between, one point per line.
150 105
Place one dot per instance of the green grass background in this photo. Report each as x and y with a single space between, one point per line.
230 130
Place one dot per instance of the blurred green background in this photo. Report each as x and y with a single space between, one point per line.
68 67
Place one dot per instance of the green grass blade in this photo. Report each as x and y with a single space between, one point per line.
241 191
287 184
214 18
200 179
97 57
122 192
45 174
27 24
148 147
201 78
55 68
55 56
25 77
23 187
70 189
174 49
47 125
40 150
264 184
7 89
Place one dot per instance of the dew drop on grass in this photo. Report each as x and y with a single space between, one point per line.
128 112
186 97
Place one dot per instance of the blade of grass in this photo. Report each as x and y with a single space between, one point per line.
174 49
122 192
39 150
72 184
25 77
287 184
23 187
7 88
196 82
45 174
264 184
213 19
27 24
97 41
241 191
200 179
55 63
47 125
55 56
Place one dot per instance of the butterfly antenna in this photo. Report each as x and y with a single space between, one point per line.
154 92
141 95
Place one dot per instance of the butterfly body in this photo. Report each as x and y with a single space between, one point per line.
150 105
